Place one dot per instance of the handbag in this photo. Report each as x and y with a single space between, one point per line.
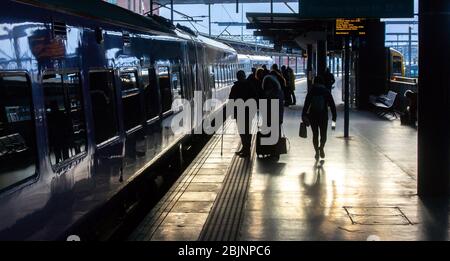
303 132
282 145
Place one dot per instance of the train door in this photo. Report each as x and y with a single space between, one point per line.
109 148
165 88
65 124
132 113
152 104
177 88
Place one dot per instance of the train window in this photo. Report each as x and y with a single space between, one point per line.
227 74
150 93
397 66
222 75
66 128
177 89
216 83
187 82
103 98
225 71
72 83
232 73
218 76
212 76
132 113
165 88
17 137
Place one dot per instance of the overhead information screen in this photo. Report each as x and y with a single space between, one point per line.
357 8
352 27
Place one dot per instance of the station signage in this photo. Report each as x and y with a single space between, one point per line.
356 8
350 27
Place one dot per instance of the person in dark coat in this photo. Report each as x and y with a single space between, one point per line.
315 113
260 74
272 90
277 73
252 76
329 79
266 71
245 91
291 85
252 80
286 89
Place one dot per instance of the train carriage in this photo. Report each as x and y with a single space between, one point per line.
87 90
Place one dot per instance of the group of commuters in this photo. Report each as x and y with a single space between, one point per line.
280 85
260 84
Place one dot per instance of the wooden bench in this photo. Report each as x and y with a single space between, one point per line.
384 103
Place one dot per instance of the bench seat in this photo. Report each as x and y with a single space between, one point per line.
384 103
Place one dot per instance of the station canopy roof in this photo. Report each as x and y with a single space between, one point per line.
289 30
222 1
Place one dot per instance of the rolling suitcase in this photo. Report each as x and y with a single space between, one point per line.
269 150
262 150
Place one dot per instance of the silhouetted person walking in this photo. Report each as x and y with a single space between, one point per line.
286 90
242 89
329 79
315 112
291 85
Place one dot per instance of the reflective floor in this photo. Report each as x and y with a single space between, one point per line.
365 188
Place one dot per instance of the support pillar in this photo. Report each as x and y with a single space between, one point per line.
434 99
309 72
171 11
347 88
409 52
330 58
209 19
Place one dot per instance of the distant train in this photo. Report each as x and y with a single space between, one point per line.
86 92
247 62
395 63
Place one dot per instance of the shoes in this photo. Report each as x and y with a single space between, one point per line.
322 153
244 154
317 155
239 152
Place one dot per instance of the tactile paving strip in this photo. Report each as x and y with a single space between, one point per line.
224 220
158 214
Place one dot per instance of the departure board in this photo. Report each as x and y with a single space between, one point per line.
352 27
356 8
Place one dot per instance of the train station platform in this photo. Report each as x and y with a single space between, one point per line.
365 189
